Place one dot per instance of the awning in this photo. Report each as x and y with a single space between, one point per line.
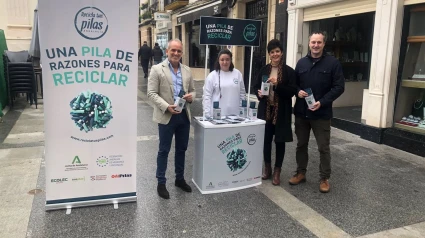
210 9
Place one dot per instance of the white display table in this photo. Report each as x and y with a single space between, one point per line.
228 157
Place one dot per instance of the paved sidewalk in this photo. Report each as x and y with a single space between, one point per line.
21 153
377 191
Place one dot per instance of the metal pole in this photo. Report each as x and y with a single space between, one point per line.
249 83
206 64
206 60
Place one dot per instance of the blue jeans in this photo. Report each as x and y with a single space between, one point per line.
179 126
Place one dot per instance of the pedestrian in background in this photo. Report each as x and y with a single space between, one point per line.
165 82
145 54
276 108
320 78
157 54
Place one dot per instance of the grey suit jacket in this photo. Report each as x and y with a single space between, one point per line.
161 90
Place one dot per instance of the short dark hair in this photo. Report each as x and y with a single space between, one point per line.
156 44
217 63
273 44
319 33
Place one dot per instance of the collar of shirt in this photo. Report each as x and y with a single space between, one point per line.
177 79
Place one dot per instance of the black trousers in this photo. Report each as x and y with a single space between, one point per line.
322 133
267 150
145 65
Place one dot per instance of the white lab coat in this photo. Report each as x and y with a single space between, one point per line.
232 92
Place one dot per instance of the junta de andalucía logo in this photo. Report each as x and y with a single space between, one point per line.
91 23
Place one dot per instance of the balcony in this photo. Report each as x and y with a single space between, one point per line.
174 4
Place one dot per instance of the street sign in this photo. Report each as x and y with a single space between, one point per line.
161 16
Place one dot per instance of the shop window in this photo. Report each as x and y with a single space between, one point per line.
349 39
410 108
162 40
196 52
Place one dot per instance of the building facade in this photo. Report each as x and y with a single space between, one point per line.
185 26
16 19
380 45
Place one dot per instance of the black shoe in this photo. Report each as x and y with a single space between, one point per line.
162 191
183 185
146 76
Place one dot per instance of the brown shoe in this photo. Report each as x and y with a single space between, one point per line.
297 179
267 171
324 186
276 176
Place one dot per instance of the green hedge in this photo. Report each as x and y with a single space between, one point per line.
3 89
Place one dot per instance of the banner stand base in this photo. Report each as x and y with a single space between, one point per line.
225 190
109 201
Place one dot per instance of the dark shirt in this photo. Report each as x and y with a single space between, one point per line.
325 78
145 52
157 53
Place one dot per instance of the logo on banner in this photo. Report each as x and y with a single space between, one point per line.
76 165
102 161
121 176
210 186
76 160
78 179
98 177
61 180
111 161
91 23
223 184
250 33
251 139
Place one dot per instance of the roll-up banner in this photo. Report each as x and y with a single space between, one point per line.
89 62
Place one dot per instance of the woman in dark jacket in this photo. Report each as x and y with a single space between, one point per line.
276 108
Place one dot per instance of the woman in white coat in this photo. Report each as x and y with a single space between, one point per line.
225 85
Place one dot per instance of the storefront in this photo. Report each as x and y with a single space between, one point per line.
380 45
349 39
162 30
188 19
409 115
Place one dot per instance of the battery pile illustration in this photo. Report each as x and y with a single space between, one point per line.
236 159
90 110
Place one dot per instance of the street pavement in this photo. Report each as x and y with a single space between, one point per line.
376 191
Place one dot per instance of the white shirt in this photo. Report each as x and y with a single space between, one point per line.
232 92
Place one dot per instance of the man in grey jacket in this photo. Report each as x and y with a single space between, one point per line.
165 82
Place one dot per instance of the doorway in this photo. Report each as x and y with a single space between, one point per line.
257 10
